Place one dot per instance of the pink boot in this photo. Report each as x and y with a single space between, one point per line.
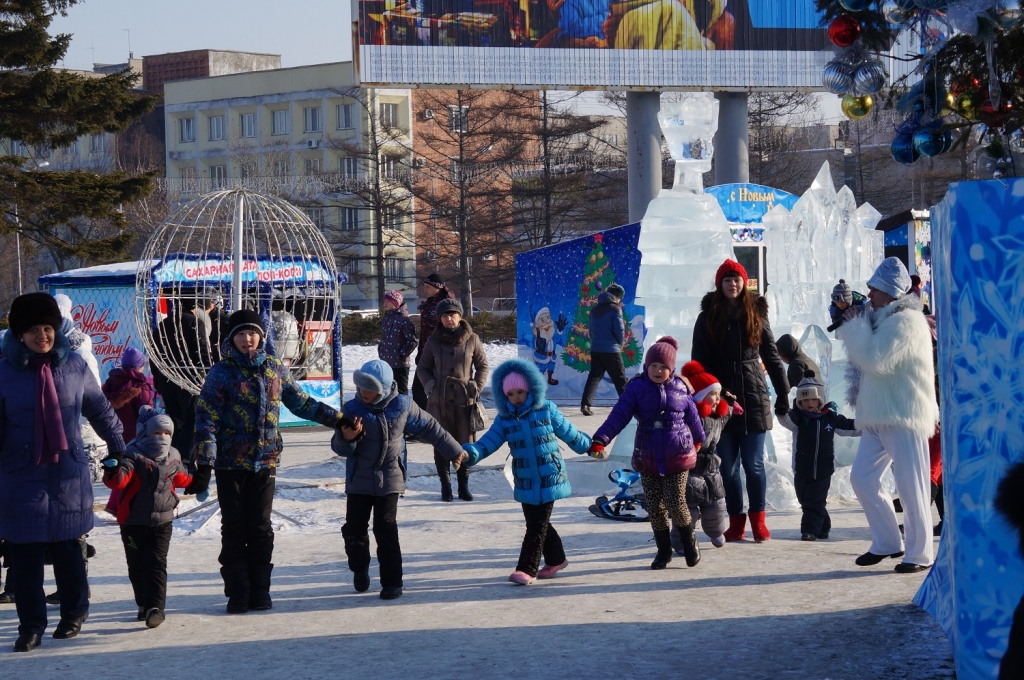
549 571
521 578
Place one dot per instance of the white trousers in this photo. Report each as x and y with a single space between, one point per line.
909 451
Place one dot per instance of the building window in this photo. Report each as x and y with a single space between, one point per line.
71 149
389 115
314 117
352 267
18 148
348 167
188 173
458 119
216 128
314 166
280 126
346 116
609 139
394 269
389 166
316 216
97 143
281 168
186 130
350 219
247 121
393 218
219 176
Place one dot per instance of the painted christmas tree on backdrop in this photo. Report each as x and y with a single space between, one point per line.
597 276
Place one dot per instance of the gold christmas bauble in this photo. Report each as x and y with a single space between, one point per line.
856 108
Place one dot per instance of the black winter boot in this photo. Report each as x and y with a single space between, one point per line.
691 549
259 587
358 550
236 587
463 476
663 539
444 472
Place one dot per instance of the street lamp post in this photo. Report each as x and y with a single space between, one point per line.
17 228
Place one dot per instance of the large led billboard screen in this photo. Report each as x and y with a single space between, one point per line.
615 44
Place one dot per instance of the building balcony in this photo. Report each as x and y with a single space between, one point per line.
299 186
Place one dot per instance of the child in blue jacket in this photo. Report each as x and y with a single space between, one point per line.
529 423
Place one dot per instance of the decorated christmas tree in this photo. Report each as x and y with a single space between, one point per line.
597 276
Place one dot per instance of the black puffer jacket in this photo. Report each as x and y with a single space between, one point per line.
737 366
799 363
814 435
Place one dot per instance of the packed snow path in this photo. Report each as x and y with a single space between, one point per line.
780 609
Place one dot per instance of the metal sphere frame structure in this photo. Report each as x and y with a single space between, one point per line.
229 250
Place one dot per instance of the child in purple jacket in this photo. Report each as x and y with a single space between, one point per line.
668 435
397 338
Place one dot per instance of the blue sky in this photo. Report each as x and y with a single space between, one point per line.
306 32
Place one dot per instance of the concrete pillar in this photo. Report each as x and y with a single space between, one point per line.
643 153
732 141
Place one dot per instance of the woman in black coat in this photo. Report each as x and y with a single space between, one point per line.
732 338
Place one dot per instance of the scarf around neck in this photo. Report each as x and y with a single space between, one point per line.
49 426
154 447
453 336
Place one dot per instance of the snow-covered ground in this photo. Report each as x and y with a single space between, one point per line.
779 609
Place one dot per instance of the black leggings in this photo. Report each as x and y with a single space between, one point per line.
541 538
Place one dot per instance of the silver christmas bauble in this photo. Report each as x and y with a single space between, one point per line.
1008 13
895 14
931 5
837 76
869 77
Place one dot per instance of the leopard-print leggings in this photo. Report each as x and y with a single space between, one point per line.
666 496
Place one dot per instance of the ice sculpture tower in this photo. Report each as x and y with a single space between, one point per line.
684 236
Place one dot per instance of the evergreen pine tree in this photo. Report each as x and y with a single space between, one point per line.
44 108
597 276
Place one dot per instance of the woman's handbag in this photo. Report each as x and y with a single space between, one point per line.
477 417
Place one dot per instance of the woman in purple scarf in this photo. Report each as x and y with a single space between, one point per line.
46 499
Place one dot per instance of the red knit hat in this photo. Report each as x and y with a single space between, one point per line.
663 352
730 268
703 382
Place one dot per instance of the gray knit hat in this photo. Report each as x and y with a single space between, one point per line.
448 305
616 291
810 388
891 278
152 420
842 292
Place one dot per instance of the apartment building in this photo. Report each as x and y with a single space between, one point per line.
302 133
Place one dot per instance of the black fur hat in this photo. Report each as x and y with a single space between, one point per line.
34 309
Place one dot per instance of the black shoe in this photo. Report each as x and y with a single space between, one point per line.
142 614
464 493
937 531
585 410
260 601
154 617
69 628
90 551
391 593
27 642
823 536
7 597
53 598
361 581
664 541
238 604
446 494
911 568
808 537
896 505
691 548
903 531
870 558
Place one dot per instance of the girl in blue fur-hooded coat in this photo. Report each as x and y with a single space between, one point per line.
531 425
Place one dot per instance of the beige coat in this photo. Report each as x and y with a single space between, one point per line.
453 370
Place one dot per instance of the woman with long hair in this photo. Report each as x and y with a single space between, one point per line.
734 342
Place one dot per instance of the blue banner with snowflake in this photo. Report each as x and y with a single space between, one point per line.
556 287
978 269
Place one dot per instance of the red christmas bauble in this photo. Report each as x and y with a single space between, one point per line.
844 30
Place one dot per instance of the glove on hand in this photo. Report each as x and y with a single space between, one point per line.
200 482
113 460
598 451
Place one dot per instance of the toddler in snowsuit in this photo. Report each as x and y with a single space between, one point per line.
237 434
705 491
147 474
668 435
530 424
814 428
371 438
843 297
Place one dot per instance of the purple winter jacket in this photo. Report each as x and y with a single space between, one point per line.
47 503
397 338
668 427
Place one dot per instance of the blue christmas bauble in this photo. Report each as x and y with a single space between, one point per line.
929 141
854 5
894 13
599 286
902 149
837 76
570 360
869 77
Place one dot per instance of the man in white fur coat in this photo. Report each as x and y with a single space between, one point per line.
890 345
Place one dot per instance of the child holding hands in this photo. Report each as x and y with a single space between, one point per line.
668 436
371 438
814 425
529 423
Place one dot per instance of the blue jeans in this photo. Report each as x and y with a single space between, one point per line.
749 449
